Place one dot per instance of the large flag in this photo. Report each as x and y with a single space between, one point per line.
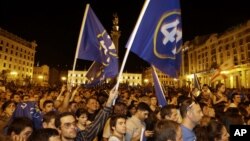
96 45
30 110
218 74
158 89
158 38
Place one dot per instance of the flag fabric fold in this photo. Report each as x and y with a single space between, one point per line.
96 45
158 89
159 36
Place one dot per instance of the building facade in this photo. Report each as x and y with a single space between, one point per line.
205 54
16 57
164 79
78 78
41 75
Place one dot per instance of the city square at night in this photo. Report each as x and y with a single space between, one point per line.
124 70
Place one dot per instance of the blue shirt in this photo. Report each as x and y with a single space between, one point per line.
187 134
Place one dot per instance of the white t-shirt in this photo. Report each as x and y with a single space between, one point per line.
114 138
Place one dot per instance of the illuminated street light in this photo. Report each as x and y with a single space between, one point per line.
40 77
146 81
14 73
63 78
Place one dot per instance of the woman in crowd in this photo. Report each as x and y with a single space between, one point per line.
217 131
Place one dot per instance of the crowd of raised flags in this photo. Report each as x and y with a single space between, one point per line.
156 38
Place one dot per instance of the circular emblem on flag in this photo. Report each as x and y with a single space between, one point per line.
168 35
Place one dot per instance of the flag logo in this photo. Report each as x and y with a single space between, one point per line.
107 47
167 35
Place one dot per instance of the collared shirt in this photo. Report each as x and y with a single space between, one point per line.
97 125
134 127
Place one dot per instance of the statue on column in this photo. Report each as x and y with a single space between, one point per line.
115 22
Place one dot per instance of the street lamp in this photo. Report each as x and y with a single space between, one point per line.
41 77
146 81
63 78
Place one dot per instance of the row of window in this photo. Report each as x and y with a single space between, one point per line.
41 73
5 58
227 46
17 54
15 48
17 67
234 37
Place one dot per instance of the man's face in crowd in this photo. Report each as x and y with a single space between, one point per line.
120 126
174 115
68 127
48 107
195 113
92 105
143 115
24 134
16 98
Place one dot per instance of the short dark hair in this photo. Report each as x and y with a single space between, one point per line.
166 130
18 124
142 106
120 108
113 120
81 111
50 115
47 102
43 134
214 130
233 95
185 106
6 104
166 110
218 86
59 116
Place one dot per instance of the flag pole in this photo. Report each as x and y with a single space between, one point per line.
131 40
80 36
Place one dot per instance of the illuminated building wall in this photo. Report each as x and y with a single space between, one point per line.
41 75
78 78
205 53
16 56
163 78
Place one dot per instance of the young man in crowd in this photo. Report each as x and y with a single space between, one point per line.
191 114
66 123
118 127
136 123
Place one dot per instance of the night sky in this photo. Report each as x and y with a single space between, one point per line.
55 24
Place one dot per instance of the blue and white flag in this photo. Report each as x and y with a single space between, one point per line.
158 38
158 89
30 110
96 45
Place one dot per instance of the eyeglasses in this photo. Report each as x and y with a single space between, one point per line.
190 106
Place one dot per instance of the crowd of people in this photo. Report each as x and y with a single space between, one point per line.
129 114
